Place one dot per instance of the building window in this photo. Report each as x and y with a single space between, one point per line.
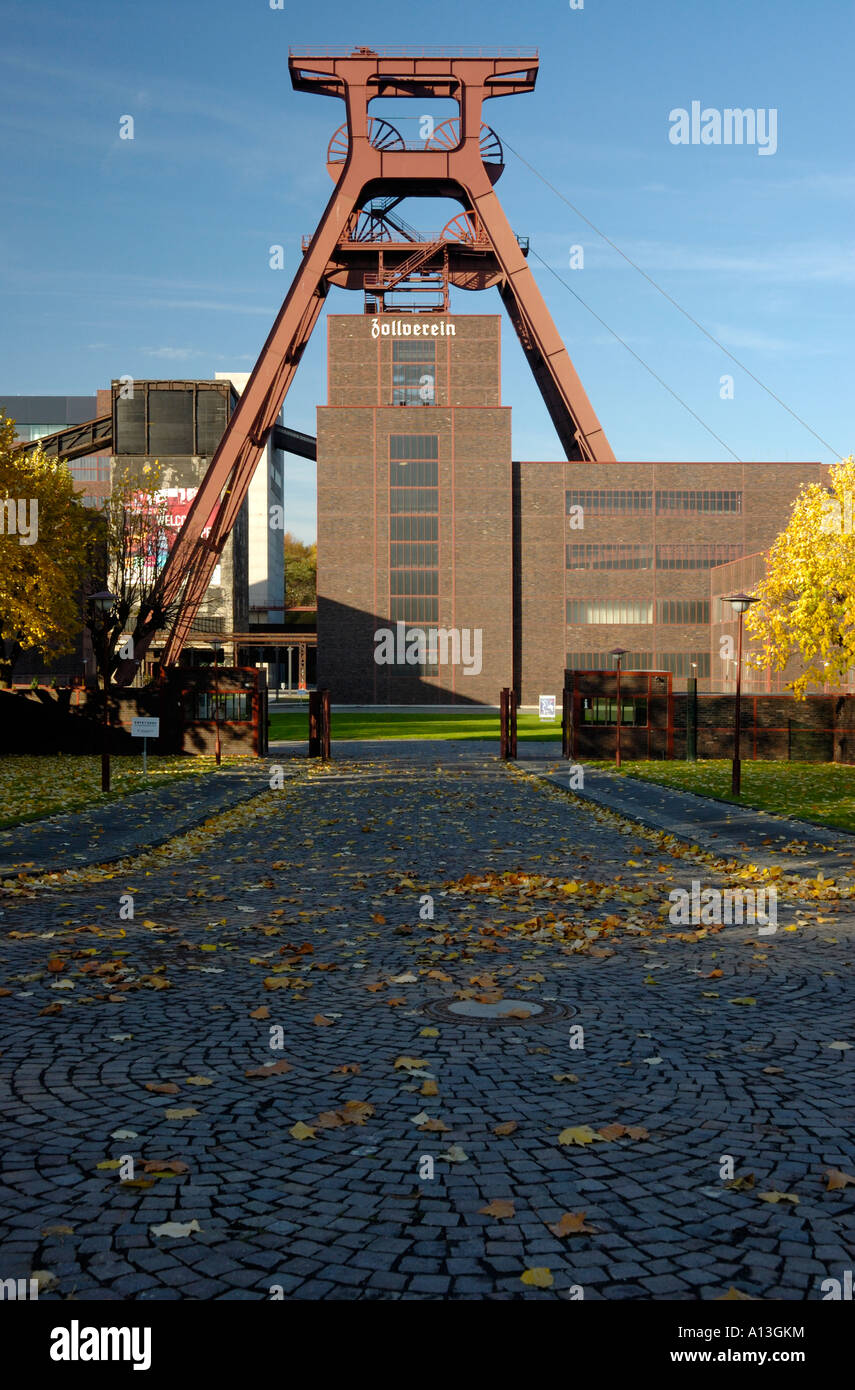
682 610
232 708
414 530
695 557
609 611
691 501
608 501
609 557
600 709
414 373
89 470
684 663
30 432
604 661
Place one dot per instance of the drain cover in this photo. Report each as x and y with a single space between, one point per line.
504 1011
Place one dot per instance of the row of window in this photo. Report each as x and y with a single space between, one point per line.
416 554
617 556
678 663
406 581
608 501
414 528
409 609
414 472
90 470
413 499
667 610
414 521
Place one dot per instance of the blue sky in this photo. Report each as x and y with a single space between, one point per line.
150 256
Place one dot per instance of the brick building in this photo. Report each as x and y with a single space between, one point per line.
426 525
414 511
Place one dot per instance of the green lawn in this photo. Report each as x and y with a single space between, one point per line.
820 792
420 724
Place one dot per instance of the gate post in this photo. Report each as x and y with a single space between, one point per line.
314 723
512 724
325 726
566 721
503 722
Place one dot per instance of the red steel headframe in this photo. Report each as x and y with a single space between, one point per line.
368 172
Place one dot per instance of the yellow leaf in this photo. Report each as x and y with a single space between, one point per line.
301 1131
582 1134
540 1278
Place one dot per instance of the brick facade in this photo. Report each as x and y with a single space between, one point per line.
358 432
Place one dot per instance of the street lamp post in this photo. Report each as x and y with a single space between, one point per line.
102 603
618 652
692 716
217 646
741 603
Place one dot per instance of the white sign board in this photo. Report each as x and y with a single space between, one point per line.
145 728
546 705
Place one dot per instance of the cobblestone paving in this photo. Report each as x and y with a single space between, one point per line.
338 861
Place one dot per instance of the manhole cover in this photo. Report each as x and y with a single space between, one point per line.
505 1011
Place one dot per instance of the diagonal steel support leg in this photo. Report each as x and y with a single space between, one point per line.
191 562
575 420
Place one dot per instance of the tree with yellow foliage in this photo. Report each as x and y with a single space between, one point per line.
806 611
48 540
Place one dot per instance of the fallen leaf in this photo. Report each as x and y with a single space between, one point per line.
301 1131
540 1278
778 1197
322 1021
837 1179
499 1207
570 1224
262 1012
185 1114
164 1088
198 1081
271 1069
582 1134
507 1128
178 1229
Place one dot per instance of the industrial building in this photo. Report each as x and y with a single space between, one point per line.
425 520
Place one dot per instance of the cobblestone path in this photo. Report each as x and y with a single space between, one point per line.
300 911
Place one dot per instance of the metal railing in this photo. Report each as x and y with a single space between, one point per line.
396 51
